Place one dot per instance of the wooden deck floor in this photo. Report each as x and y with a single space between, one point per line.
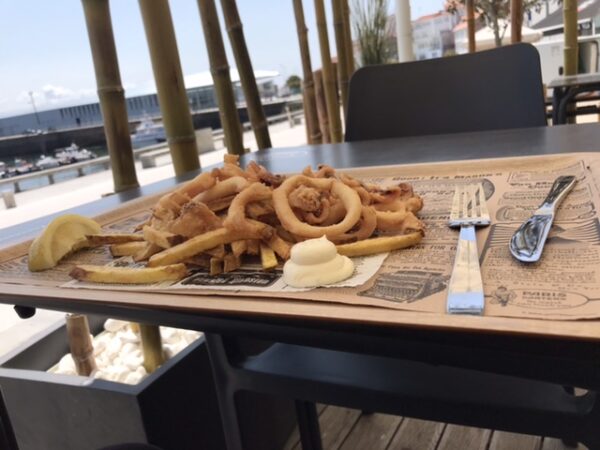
349 429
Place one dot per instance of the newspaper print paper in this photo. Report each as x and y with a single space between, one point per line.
564 285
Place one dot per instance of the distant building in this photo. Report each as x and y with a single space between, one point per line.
550 21
540 13
200 92
433 36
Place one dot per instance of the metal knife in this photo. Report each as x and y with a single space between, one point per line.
528 241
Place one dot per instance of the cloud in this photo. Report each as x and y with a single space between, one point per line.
54 96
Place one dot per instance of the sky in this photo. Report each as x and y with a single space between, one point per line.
44 48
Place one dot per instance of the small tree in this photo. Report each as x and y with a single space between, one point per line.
492 11
294 84
370 23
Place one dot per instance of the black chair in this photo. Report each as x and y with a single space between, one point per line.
490 90
8 441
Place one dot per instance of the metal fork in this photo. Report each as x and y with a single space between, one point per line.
469 210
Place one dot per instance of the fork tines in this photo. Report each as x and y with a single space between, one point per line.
469 206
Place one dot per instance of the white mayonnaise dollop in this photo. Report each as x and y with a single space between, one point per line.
316 262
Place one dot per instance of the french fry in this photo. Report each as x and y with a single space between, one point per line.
202 260
163 239
147 252
379 244
128 275
96 240
217 252
253 246
196 245
220 204
127 248
267 257
216 266
231 263
238 248
280 246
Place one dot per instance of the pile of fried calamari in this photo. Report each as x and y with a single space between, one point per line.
218 217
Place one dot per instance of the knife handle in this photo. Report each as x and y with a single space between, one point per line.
561 187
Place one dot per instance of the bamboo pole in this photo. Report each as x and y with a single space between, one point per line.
312 120
152 348
219 67
80 343
348 38
110 93
244 67
322 107
172 96
571 46
340 44
333 108
516 20
471 25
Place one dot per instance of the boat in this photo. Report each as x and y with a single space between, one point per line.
3 170
72 154
147 133
47 162
21 167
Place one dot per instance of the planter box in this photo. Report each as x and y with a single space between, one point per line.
174 408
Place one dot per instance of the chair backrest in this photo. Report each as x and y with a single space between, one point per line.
489 90
8 441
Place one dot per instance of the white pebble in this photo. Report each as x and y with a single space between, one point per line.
133 378
128 336
114 325
132 363
127 348
66 364
114 347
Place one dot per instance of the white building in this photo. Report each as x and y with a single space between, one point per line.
432 35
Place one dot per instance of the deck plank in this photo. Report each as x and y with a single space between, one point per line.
502 440
336 424
372 431
457 437
415 434
557 444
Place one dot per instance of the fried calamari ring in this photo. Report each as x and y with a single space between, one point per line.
222 189
176 199
400 221
366 227
236 216
348 197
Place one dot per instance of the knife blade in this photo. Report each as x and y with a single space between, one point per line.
527 243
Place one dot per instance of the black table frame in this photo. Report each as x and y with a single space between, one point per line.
559 361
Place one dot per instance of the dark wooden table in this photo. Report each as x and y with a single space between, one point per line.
560 359
566 89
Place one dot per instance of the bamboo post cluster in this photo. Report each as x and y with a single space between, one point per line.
172 95
152 348
348 38
110 93
340 44
244 67
329 83
571 31
219 68
516 20
471 24
80 344
308 92
322 107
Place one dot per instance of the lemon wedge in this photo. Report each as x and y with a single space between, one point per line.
60 237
